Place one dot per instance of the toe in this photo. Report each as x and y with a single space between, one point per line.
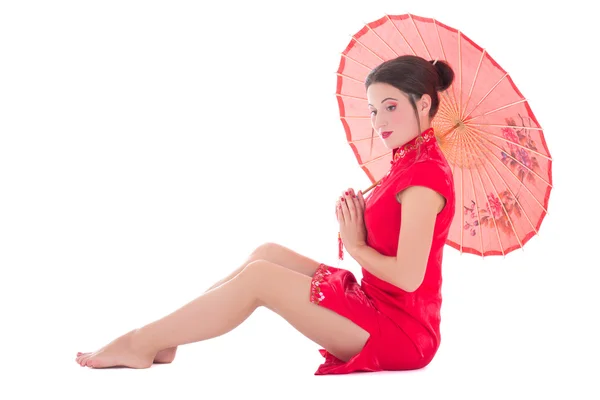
84 358
95 362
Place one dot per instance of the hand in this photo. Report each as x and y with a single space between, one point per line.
349 211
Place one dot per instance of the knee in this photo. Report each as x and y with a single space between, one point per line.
263 251
254 268
254 273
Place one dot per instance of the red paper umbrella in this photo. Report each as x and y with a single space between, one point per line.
502 167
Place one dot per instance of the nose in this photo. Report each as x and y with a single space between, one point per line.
379 122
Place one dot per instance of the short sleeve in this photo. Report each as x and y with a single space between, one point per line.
431 174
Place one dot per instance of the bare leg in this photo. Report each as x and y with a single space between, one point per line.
277 254
273 252
225 307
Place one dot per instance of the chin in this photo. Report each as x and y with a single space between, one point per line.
393 144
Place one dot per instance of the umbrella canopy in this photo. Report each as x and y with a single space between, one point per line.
485 127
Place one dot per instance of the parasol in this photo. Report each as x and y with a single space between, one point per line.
485 127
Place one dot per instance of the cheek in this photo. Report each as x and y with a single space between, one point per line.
404 119
397 117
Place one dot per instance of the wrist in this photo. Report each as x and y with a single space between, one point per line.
356 249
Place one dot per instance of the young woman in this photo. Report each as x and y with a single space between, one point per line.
391 320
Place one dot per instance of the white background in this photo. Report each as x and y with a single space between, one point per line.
147 147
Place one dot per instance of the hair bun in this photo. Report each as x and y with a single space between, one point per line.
445 74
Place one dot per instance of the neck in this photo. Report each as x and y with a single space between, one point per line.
424 125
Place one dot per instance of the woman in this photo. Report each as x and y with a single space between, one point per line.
390 321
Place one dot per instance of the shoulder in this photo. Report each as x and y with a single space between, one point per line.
431 173
426 184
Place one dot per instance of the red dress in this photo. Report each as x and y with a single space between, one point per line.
404 327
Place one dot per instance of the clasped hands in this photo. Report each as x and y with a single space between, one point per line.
349 211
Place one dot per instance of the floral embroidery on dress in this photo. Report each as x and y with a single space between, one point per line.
403 150
316 295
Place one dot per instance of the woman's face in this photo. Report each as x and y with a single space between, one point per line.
392 115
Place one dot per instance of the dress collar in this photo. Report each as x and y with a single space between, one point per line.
409 147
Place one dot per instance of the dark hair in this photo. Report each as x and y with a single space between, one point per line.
414 76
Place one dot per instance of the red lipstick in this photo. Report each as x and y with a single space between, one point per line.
385 135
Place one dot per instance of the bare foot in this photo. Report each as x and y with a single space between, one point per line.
124 351
165 356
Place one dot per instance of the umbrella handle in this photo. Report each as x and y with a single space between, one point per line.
370 187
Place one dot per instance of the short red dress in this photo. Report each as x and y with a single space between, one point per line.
404 326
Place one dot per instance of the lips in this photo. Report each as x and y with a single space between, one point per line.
385 135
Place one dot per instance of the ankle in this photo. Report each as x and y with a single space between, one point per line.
142 341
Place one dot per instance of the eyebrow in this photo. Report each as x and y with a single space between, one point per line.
387 98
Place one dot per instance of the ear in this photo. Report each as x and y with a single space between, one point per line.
424 105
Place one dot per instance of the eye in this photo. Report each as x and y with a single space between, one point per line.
373 112
391 108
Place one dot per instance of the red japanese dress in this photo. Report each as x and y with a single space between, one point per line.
404 326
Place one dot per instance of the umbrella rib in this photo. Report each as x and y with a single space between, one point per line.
462 140
374 159
498 195
485 97
511 142
506 126
445 57
359 140
446 110
357 62
459 74
444 113
368 49
350 97
490 210
474 80
508 155
383 41
509 189
447 105
420 37
451 102
462 215
478 214
439 38
348 77
462 201
400 33
516 177
354 117
497 109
